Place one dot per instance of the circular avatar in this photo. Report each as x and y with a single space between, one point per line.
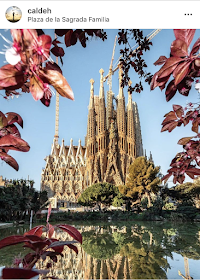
13 14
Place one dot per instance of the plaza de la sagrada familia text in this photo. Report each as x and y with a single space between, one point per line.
112 142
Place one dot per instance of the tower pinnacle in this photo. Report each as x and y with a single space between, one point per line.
57 113
91 94
101 90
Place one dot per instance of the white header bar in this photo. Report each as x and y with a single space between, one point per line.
101 14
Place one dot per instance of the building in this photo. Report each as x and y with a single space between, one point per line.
112 143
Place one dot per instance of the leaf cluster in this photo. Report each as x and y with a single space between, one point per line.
182 65
134 58
41 246
10 138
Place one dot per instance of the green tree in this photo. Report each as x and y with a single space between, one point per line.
97 194
19 198
143 179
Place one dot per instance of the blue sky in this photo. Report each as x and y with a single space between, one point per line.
80 65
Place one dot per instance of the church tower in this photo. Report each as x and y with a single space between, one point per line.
112 143
121 126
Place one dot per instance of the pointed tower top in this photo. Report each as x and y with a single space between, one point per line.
91 105
130 106
121 94
57 112
71 142
101 90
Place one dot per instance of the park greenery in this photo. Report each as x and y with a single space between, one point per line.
18 198
143 179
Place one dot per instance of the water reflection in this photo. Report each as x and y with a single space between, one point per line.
131 251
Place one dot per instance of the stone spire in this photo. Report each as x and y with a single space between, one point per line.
130 105
121 93
130 127
101 90
57 115
91 105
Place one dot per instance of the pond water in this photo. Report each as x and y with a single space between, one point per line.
128 250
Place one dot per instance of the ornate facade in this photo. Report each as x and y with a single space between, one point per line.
112 143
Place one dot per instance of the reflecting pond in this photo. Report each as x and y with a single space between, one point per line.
132 250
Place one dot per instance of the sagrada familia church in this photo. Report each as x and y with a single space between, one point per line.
112 142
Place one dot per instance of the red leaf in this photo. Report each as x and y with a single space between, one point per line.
45 101
178 110
154 82
170 90
44 45
169 66
10 76
61 32
12 129
74 248
194 171
195 126
71 231
14 143
166 177
36 88
184 140
196 47
12 240
58 51
179 48
181 71
3 120
170 126
18 273
59 245
49 213
13 117
191 175
60 84
171 116
38 230
53 66
185 35
50 230
162 59
68 38
9 160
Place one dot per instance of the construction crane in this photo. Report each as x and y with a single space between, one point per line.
187 272
111 71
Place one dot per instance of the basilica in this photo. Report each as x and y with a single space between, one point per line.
112 142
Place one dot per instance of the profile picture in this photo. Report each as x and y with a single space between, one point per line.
13 14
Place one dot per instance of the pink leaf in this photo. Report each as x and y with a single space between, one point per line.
10 76
14 117
196 47
36 88
12 240
9 160
162 59
38 230
179 48
71 231
14 143
185 35
3 120
170 90
49 213
18 273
